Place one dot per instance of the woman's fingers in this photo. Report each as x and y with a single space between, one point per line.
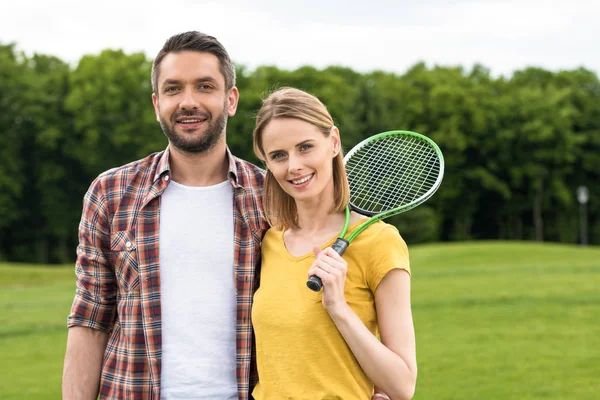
332 258
329 252
326 271
329 266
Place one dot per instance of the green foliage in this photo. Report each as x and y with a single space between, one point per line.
516 148
13 75
113 118
421 224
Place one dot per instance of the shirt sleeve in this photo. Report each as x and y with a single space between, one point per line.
387 252
95 298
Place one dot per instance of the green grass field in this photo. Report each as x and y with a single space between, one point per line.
493 320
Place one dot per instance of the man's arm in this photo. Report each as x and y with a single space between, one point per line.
93 312
83 363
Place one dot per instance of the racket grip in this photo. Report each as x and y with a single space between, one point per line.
314 283
340 245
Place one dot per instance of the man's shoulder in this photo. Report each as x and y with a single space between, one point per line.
137 172
250 176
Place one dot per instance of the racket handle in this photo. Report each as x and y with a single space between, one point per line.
314 283
340 245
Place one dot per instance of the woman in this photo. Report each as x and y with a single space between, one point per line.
324 345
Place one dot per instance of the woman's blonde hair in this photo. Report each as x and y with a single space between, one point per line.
280 208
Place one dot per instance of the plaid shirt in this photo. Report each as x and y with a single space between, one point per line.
118 281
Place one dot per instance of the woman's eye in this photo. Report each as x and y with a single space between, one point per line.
305 147
277 156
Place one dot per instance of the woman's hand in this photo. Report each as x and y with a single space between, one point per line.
331 268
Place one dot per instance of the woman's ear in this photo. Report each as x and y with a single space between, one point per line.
335 140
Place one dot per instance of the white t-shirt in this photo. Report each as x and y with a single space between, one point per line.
198 298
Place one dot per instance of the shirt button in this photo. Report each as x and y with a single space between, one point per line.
128 245
166 177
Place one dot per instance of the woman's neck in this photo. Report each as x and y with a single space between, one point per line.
316 216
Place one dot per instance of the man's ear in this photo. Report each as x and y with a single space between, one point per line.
155 104
233 95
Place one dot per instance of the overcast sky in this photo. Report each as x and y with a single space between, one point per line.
390 35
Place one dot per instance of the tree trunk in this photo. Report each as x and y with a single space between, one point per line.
462 228
537 216
63 250
42 250
519 227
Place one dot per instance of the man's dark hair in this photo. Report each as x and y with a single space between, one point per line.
195 41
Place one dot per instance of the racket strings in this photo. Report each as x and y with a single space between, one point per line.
391 172
414 177
423 162
409 172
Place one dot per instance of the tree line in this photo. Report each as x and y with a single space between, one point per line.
516 148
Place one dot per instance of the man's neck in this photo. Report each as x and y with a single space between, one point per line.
199 169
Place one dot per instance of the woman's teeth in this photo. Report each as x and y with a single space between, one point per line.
300 181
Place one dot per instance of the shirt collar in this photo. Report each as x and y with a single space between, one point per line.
232 172
163 165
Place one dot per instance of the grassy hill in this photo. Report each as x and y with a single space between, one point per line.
494 320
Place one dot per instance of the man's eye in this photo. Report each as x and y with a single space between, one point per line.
171 89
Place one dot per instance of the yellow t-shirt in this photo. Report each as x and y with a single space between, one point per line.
300 353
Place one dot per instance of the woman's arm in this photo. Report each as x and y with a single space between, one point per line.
389 363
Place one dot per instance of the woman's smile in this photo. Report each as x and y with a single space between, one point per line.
302 181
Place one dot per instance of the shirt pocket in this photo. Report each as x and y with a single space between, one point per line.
124 253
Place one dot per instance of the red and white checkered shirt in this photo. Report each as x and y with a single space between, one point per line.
118 281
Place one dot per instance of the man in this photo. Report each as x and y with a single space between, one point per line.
169 249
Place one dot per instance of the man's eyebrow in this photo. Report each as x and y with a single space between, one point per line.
206 79
170 82
202 79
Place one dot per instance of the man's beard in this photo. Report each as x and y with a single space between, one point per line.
207 140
